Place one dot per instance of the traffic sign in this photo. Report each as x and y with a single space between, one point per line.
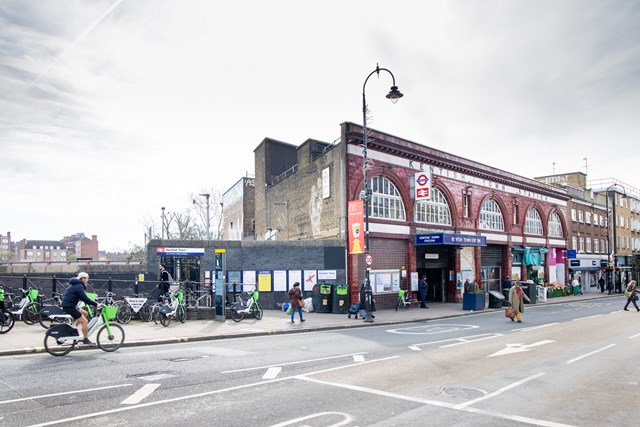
369 260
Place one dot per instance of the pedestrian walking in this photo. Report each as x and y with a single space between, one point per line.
631 294
516 299
601 283
296 301
423 286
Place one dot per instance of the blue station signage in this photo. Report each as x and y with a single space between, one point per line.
449 239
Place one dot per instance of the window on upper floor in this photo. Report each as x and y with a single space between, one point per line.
555 226
595 219
466 205
596 246
580 216
574 243
533 223
587 217
588 245
434 211
573 215
581 247
491 216
386 202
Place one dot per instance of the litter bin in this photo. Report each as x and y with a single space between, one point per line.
324 300
529 288
340 303
495 299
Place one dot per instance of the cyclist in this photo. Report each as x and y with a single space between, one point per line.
76 292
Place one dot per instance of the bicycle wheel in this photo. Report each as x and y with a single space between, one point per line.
257 311
155 312
111 342
236 315
181 314
30 313
193 299
6 322
44 320
145 313
164 319
123 315
56 348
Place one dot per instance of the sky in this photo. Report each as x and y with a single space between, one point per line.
112 109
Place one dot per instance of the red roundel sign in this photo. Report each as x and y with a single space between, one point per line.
369 260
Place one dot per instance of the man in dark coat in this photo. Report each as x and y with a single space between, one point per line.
76 292
422 290
165 282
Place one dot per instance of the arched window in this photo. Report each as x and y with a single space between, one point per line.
555 226
386 202
533 223
434 211
491 216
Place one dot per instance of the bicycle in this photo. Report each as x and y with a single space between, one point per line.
175 308
404 301
251 307
59 340
6 319
27 306
193 300
134 306
48 310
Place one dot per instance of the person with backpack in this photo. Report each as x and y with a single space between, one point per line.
165 282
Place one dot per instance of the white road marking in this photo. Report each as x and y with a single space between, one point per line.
140 394
589 354
347 419
499 391
588 317
475 338
192 396
535 327
509 417
292 363
430 329
64 392
634 336
519 348
272 373
358 358
156 377
458 341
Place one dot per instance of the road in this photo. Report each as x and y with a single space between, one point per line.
565 365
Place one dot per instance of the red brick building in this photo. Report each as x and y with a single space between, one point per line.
481 223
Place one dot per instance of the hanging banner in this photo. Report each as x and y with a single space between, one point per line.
356 223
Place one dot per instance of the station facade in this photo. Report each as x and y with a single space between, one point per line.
480 223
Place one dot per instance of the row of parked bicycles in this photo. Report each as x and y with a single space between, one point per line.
29 306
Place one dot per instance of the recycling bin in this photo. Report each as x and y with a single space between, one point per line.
495 299
324 299
340 299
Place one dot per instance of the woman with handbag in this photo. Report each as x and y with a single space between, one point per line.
630 293
296 301
516 298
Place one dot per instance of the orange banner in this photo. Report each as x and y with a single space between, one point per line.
355 221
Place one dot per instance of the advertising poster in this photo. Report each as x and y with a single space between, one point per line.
356 226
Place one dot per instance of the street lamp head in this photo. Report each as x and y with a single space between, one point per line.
394 94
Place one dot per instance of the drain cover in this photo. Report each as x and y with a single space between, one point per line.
466 392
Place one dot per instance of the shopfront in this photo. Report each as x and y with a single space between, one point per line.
438 257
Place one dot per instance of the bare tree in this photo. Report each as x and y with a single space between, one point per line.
207 207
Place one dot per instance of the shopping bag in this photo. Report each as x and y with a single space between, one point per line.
510 312
288 309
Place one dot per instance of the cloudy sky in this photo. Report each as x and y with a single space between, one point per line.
111 109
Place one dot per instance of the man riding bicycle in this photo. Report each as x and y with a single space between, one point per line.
76 292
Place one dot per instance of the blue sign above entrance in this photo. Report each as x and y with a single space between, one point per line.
450 239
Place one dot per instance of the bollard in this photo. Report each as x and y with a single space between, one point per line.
54 284
110 285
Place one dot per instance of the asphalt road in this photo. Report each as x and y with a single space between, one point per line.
566 364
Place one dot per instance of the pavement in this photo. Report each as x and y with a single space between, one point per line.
27 339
